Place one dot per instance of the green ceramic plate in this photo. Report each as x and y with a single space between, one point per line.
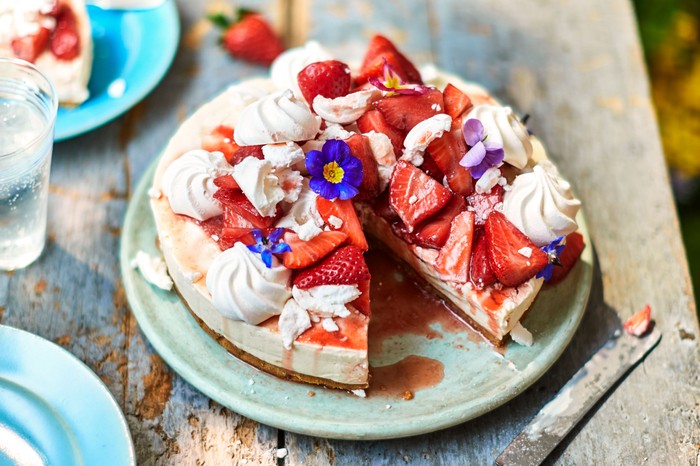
476 380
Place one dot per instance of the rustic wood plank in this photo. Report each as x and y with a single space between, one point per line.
578 70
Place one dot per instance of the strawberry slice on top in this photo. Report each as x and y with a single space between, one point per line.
345 266
360 148
340 215
447 151
485 203
456 101
513 257
307 253
249 36
220 140
406 111
373 120
433 233
568 257
453 260
414 195
379 49
239 212
480 272
328 79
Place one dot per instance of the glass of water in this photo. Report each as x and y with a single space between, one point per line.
28 105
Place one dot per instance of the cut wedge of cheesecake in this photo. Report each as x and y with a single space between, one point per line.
56 36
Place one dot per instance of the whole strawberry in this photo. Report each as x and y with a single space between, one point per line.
249 37
329 79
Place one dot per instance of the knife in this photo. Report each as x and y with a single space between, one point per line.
556 419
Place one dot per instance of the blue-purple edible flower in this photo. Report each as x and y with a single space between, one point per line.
553 251
266 247
335 172
483 154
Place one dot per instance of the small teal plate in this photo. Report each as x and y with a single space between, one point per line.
54 409
477 379
132 52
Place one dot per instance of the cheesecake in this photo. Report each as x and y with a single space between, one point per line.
265 197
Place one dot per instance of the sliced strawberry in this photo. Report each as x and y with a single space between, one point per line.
382 207
505 245
485 203
212 226
345 266
65 39
30 47
221 140
406 111
235 235
480 272
239 212
434 232
250 37
381 48
246 151
307 253
456 101
639 323
360 148
414 195
329 79
362 303
227 182
569 256
431 168
453 260
447 152
344 212
373 120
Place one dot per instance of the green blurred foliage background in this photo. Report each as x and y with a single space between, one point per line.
670 31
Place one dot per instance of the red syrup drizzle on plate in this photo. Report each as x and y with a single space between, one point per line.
402 304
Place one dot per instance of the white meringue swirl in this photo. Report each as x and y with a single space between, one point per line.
541 205
286 67
276 118
503 127
243 288
188 182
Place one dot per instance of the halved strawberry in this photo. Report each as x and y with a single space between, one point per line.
221 140
360 148
330 78
239 212
65 39
249 36
639 323
505 243
382 207
362 303
484 203
227 182
373 120
431 168
453 260
381 48
414 195
345 266
569 256
434 232
456 101
235 235
307 253
344 212
246 151
29 47
406 111
447 151
480 272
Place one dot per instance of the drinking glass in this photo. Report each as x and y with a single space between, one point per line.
28 106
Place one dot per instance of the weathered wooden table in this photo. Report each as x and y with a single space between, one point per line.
575 67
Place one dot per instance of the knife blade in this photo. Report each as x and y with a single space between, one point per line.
556 419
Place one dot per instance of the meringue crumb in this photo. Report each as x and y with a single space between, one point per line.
311 394
526 251
329 325
335 222
281 453
521 335
387 407
360 393
154 193
215 237
252 391
153 270
412 200
251 382
502 181
436 107
193 276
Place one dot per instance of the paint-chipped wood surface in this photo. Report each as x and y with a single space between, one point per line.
575 67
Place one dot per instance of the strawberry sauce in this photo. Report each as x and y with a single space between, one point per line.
403 378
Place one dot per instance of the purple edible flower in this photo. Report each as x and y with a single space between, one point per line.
266 247
335 172
483 154
393 83
553 251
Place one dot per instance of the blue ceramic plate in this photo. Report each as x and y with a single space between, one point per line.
127 65
477 379
54 409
